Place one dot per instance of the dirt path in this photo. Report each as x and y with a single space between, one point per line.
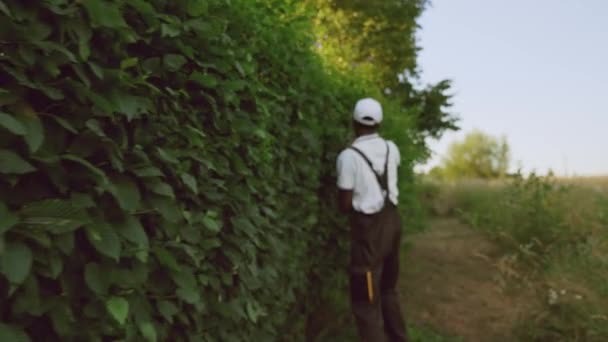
450 282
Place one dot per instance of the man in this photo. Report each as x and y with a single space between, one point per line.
367 181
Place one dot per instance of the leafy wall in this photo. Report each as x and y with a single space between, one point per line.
166 169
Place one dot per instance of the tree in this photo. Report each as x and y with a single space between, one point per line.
479 155
377 40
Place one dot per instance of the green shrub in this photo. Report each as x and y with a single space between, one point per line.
165 170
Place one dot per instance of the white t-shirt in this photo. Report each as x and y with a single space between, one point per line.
354 173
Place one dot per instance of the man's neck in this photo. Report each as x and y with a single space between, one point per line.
364 133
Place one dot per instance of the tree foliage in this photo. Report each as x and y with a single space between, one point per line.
478 156
376 39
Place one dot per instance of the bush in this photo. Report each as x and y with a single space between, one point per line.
166 170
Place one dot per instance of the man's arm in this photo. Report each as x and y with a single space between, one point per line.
345 201
346 181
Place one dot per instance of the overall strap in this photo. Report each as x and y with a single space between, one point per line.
382 180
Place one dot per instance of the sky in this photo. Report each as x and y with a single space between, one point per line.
535 71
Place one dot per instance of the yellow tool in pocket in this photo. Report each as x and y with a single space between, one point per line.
370 286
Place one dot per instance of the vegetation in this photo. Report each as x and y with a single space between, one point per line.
478 156
553 235
164 165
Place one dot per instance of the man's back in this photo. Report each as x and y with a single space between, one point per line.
355 174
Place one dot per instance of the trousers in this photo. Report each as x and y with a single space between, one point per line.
373 271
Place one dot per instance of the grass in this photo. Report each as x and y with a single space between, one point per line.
557 230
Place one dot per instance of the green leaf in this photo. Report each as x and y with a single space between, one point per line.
128 62
148 331
169 30
130 105
12 334
126 192
174 62
190 182
95 170
11 124
104 13
161 188
167 207
7 12
95 279
184 279
206 80
118 308
167 157
188 295
149 171
211 222
7 219
166 258
84 36
104 239
132 230
16 262
65 243
54 215
196 7
12 163
63 123
167 310
55 265
34 131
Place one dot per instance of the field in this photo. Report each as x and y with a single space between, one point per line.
542 268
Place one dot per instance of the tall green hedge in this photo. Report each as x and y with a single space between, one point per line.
166 169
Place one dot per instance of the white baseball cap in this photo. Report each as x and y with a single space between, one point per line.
368 112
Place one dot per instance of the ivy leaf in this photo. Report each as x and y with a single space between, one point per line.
167 310
104 14
189 295
7 219
63 123
211 222
148 171
166 258
161 188
95 170
65 243
11 124
54 215
173 61
105 240
126 193
169 30
95 279
34 131
84 34
148 331
118 308
130 105
166 156
205 80
196 8
6 11
133 231
16 262
190 182
12 334
12 163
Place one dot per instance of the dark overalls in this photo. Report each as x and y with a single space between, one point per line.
374 268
